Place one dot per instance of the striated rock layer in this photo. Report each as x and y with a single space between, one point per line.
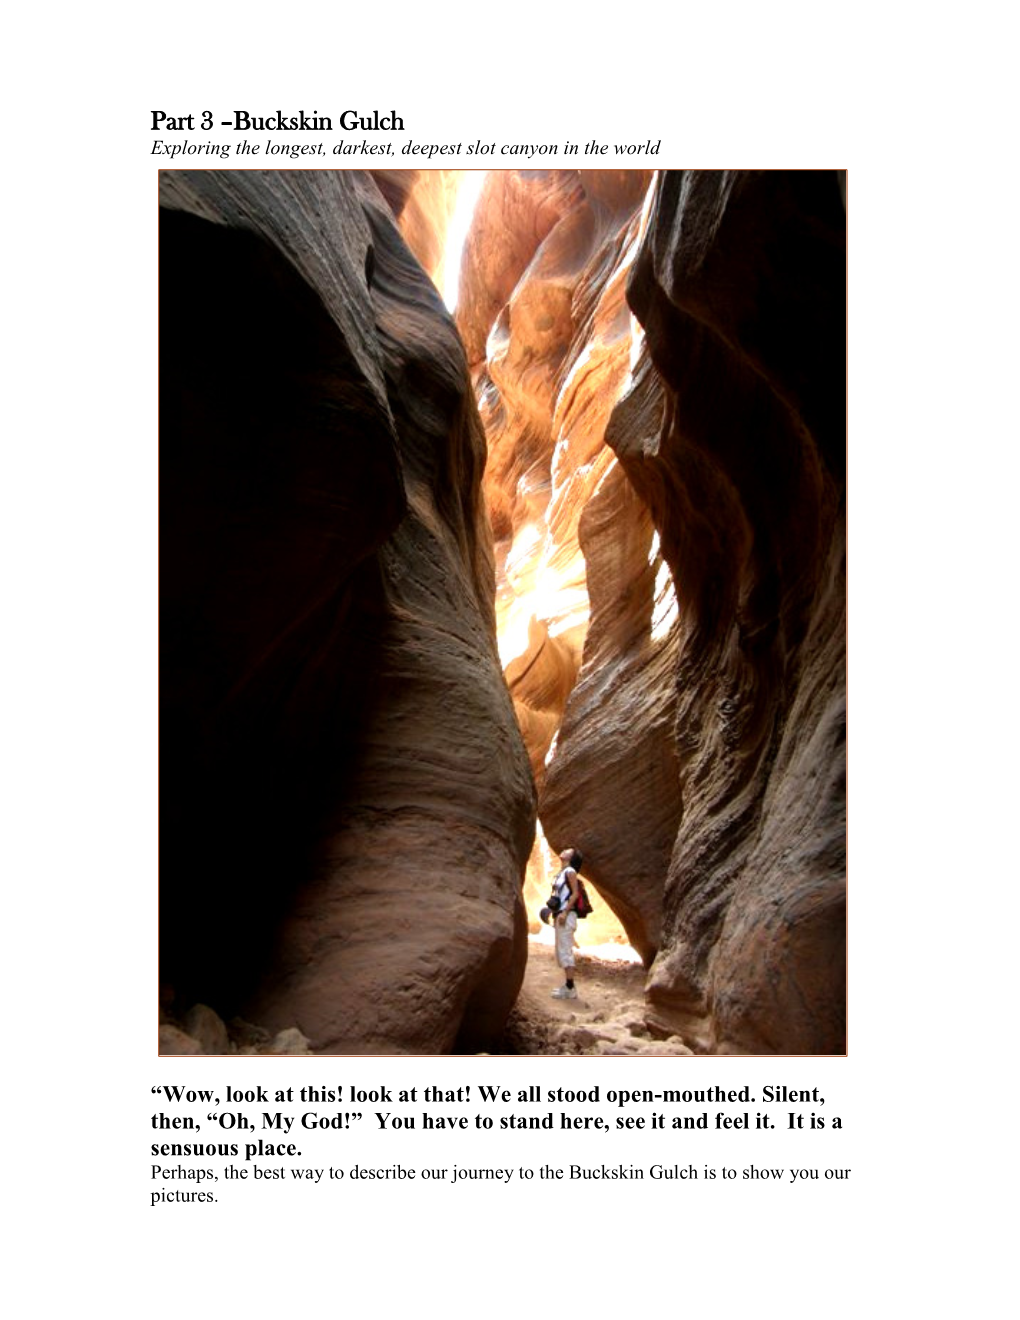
740 286
347 805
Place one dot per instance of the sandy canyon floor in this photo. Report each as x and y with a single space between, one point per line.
607 1017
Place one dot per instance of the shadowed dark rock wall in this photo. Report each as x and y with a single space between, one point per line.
347 807
740 284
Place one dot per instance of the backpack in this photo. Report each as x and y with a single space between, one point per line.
583 905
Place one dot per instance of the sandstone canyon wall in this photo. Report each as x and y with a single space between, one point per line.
668 506
346 801
740 284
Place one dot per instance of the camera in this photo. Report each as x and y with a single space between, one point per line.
550 909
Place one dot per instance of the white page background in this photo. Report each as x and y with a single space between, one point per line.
915 114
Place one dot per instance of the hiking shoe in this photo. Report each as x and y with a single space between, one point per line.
564 992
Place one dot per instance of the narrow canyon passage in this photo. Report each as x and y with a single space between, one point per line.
444 592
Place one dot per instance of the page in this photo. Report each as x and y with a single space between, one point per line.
691 1128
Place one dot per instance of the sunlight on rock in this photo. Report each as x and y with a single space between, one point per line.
463 213
611 951
666 611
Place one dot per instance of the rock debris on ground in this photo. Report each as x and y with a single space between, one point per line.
607 1017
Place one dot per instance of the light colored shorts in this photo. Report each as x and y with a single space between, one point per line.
565 941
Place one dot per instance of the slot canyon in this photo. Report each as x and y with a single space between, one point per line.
443 592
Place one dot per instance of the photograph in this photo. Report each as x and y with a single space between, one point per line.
502 612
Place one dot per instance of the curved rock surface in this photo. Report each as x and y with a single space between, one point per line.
613 783
339 854
536 273
515 212
740 285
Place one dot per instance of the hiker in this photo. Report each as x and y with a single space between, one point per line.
566 890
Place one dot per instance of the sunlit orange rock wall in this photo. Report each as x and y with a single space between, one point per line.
347 805
545 267
547 330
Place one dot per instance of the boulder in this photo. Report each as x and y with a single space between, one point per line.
289 1041
208 1028
172 1040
